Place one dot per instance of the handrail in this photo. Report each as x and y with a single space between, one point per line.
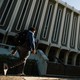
59 60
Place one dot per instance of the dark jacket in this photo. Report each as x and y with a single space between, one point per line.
30 41
27 46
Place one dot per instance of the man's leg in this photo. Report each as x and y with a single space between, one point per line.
29 52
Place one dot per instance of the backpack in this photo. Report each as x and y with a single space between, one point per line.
20 38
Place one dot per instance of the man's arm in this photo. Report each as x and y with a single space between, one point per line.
32 42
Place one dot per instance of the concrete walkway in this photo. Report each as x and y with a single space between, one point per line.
49 78
34 78
40 78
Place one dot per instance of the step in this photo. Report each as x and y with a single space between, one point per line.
40 78
26 78
34 78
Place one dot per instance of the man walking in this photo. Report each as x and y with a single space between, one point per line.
29 44
28 47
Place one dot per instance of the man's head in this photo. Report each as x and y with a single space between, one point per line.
32 29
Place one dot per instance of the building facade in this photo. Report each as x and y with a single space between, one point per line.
57 25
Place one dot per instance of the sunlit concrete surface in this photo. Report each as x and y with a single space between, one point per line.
49 78
26 78
34 78
11 78
40 78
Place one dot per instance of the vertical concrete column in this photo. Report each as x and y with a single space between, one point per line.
74 59
77 32
1 2
57 54
62 25
42 19
30 14
47 50
14 15
5 38
66 57
70 29
53 21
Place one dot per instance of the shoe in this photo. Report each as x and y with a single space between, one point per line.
21 74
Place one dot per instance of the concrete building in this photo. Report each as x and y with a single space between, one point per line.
58 30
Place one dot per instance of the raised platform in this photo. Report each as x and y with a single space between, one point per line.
11 78
34 78
26 78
